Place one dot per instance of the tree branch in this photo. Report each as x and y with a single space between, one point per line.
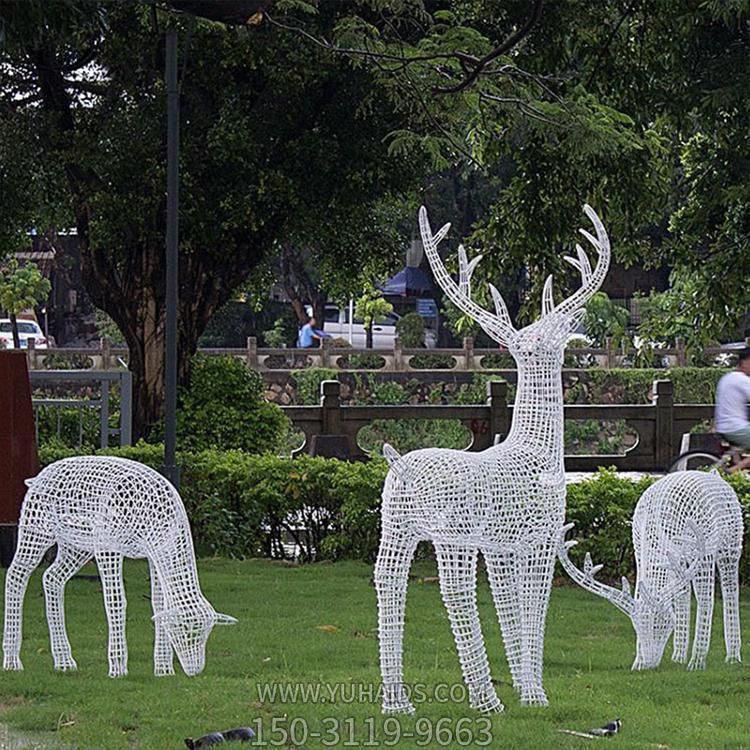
480 66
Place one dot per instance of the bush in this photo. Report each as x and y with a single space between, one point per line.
308 383
224 408
410 330
243 505
432 362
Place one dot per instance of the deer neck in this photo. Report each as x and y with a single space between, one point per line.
176 567
538 411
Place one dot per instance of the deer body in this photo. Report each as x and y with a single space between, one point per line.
685 526
507 502
110 508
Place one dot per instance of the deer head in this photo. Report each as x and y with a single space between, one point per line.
188 628
544 339
650 611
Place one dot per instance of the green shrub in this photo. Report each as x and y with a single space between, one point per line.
410 330
224 408
308 384
243 505
432 362
498 361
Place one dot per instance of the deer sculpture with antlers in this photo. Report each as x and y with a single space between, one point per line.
507 501
684 526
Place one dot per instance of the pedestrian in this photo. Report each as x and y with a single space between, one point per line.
307 335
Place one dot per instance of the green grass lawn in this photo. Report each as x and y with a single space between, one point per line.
317 624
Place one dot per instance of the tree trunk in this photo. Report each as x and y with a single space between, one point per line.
14 329
368 335
300 286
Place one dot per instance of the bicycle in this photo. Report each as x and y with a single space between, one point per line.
719 453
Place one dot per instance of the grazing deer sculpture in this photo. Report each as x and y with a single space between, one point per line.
109 508
684 526
507 501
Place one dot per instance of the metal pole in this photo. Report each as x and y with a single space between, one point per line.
170 369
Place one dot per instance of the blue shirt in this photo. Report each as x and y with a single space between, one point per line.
305 338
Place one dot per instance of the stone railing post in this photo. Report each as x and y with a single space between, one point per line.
398 355
331 442
468 353
330 403
681 352
610 353
497 400
325 354
664 438
251 354
106 348
31 353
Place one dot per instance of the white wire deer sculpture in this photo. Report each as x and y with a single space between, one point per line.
109 508
685 525
507 501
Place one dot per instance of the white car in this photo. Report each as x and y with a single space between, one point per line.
383 330
27 329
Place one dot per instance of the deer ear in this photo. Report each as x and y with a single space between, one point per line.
222 619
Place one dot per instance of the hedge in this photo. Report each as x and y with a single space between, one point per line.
243 505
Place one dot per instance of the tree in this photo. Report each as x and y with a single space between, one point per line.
21 287
370 307
604 319
275 135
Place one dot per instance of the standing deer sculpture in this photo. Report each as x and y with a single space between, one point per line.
109 508
684 526
507 501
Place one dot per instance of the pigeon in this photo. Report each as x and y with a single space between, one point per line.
240 734
214 738
607 730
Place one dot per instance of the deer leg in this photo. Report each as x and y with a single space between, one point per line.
391 579
68 561
29 552
681 638
730 597
703 585
163 661
501 572
534 600
115 604
457 568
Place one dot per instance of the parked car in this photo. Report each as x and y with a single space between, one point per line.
27 329
383 330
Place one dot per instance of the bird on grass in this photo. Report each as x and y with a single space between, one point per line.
241 734
607 730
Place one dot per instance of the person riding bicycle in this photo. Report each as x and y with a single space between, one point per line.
731 414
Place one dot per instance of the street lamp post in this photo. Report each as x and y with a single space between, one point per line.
170 469
242 12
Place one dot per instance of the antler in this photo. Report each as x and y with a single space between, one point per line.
591 279
499 326
621 598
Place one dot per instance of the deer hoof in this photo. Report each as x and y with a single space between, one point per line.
697 662
534 696
485 700
398 708
66 664
12 664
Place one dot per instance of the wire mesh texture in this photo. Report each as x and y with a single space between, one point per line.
685 526
507 502
109 508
